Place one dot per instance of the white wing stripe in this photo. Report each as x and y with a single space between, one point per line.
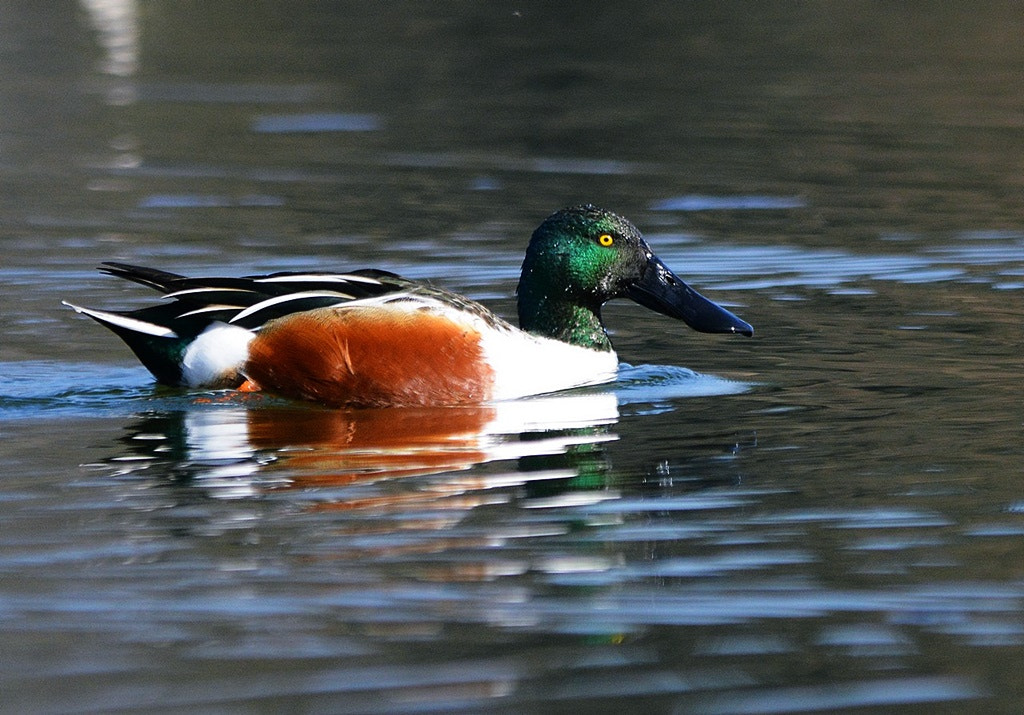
138 326
319 277
205 289
210 309
291 296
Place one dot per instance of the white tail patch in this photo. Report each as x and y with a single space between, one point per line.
216 356
123 321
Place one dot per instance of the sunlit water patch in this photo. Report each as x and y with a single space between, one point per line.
316 122
748 202
205 201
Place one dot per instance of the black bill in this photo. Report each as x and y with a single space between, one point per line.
663 291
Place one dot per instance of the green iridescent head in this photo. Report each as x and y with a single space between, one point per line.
582 257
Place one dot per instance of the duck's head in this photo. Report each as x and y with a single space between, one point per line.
582 257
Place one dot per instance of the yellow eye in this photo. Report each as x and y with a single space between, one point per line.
605 239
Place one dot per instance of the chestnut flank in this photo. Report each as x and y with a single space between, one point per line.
370 357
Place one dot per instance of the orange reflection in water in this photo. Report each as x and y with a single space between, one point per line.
363 464
337 447
347 460
350 445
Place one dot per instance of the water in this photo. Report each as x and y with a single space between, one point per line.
827 516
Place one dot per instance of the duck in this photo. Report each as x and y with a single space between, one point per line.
372 338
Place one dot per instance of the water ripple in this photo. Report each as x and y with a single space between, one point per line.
885 692
321 122
749 202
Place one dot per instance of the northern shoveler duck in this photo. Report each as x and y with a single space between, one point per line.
372 338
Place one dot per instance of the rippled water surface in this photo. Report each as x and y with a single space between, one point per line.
826 517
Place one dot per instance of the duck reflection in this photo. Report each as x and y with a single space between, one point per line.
236 450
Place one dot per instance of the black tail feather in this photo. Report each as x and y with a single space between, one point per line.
162 281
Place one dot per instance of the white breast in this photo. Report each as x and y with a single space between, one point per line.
526 364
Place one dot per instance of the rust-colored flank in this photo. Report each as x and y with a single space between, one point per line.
371 357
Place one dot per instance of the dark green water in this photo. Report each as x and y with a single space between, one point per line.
828 516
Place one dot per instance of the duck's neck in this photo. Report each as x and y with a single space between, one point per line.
553 316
